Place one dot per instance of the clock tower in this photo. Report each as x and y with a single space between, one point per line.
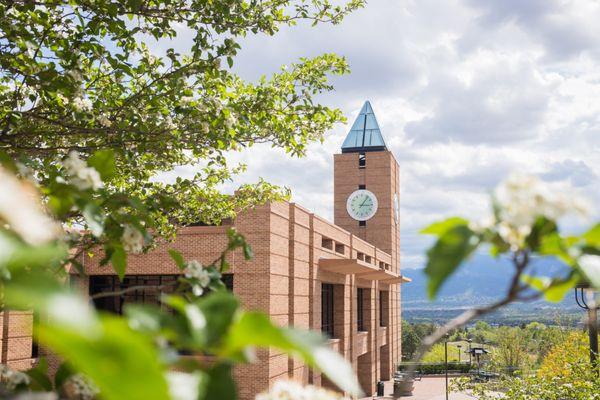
366 196
367 185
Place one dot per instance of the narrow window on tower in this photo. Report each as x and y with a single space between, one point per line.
362 160
360 310
362 187
362 223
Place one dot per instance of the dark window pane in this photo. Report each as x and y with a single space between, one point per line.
360 308
152 288
327 309
228 281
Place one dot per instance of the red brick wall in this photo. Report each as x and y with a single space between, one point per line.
284 279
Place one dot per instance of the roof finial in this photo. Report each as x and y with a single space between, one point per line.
365 134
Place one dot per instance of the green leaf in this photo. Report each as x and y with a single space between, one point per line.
221 384
542 228
121 362
15 254
553 245
557 291
554 289
536 282
590 266
453 247
255 329
39 376
94 218
592 237
219 309
248 254
178 258
143 317
61 204
104 162
118 259
441 227
62 374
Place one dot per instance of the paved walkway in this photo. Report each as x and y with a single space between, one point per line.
428 388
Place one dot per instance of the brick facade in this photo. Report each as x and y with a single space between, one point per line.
295 253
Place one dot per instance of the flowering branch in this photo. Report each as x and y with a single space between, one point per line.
523 224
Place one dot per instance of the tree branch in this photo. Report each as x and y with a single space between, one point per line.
521 261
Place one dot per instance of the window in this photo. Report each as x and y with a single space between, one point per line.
228 281
362 223
327 309
35 348
360 310
362 187
339 248
327 243
156 285
362 160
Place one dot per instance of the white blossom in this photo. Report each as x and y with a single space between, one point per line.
185 100
71 311
520 200
22 211
169 122
25 171
217 104
104 121
64 100
11 378
182 385
289 390
200 276
133 240
205 127
82 104
81 387
75 75
230 121
82 176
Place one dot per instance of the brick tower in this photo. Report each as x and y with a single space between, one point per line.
366 195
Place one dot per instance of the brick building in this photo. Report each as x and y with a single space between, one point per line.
342 279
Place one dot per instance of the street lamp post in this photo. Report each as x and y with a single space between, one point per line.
586 299
469 341
446 362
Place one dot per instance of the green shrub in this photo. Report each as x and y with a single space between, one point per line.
436 368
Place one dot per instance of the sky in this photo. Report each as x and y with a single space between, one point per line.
465 92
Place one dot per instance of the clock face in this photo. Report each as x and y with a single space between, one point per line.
396 208
362 205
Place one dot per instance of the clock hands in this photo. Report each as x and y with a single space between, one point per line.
363 203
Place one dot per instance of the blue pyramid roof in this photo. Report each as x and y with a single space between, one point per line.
365 134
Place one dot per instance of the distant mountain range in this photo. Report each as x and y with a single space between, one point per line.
480 281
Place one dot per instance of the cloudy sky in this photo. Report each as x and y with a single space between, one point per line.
465 92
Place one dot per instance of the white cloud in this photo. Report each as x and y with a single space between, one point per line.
465 92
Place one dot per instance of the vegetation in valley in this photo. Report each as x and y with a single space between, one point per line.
563 372
512 349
